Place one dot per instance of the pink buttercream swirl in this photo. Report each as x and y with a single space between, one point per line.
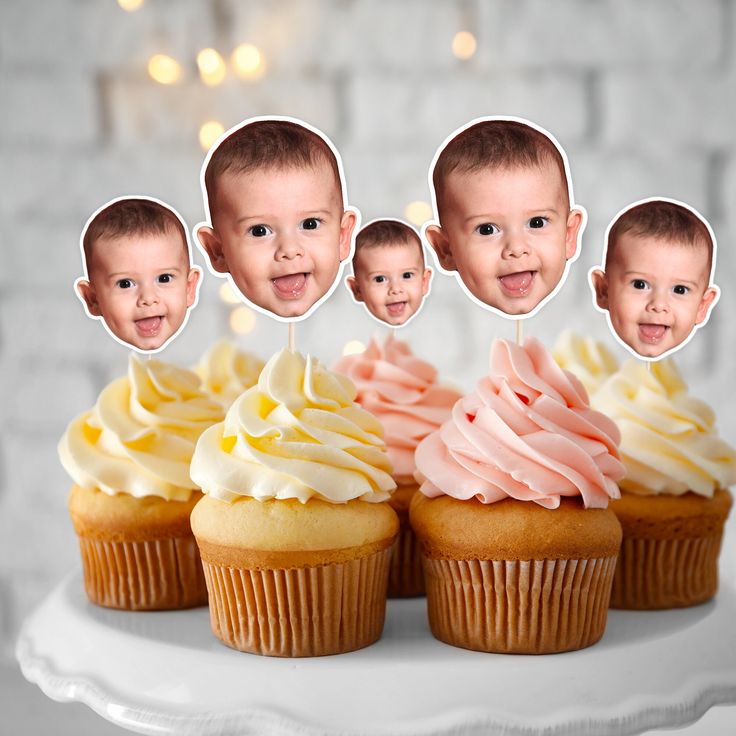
527 432
402 391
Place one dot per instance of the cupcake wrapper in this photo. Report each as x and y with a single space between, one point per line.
523 607
666 573
406 578
146 575
299 612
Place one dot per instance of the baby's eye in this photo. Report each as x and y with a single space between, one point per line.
259 231
680 289
487 228
165 278
639 284
537 222
407 275
124 283
379 279
311 223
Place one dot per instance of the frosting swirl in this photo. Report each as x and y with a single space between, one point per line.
139 437
526 432
669 442
402 391
590 360
297 434
227 371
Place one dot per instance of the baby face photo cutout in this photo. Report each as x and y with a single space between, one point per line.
139 279
505 222
278 226
390 277
656 282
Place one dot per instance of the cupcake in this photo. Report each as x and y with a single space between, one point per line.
293 530
402 391
132 494
227 371
675 497
590 360
518 544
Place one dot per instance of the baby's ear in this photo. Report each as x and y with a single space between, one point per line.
347 225
441 246
600 286
193 280
213 247
574 222
88 295
352 284
706 303
426 280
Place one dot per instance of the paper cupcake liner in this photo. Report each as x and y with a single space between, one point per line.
299 612
523 607
406 578
666 573
156 574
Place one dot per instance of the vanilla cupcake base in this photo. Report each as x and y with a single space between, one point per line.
138 554
670 549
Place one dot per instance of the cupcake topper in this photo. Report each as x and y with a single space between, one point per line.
505 222
655 284
390 277
277 222
138 278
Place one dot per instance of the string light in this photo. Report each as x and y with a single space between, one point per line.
208 134
164 69
353 347
228 295
464 45
248 61
418 212
212 67
242 320
130 5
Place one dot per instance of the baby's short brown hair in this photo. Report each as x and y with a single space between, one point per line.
268 144
661 220
382 233
131 216
495 144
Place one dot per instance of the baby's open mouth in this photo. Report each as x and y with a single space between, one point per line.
149 326
291 286
651 333
517 284
396 309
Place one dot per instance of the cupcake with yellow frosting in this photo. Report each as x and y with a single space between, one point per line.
675 497
590 360
132 494
293 530
226 371
404 393
519 546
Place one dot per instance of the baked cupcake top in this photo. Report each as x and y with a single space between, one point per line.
298 434
139 437
402 391
669 441
527 432
227 371
590 360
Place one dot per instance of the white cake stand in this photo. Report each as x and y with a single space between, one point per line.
165 673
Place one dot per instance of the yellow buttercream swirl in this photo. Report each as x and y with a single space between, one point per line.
669 442
139 437
590 360
227 371
297 434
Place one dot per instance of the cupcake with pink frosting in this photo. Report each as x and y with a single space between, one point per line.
403 392
519 545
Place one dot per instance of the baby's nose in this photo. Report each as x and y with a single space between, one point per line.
288 247
658 302
514 245
396 286
148 295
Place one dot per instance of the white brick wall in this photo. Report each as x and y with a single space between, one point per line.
640 94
